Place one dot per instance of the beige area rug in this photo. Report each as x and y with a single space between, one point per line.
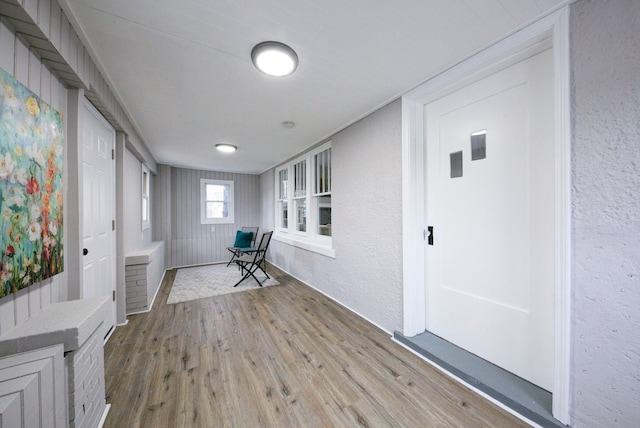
211 280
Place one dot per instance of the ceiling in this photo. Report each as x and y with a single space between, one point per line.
182 68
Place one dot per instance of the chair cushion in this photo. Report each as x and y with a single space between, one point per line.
243 239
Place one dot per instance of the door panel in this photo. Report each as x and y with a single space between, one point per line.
490 271
98 209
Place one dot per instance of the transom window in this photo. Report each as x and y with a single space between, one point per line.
305 185
216 201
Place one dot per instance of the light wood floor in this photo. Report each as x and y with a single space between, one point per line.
282 356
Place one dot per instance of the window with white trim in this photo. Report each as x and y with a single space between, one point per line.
216 201
282 202
300 195
146 199
322 191
303 186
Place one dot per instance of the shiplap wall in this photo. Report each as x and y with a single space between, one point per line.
135 238
190 242
161 210
24 64
44 26
50 58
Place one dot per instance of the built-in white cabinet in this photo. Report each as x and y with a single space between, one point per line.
32 389
143 274
52 367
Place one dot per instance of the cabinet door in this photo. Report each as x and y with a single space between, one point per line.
32 389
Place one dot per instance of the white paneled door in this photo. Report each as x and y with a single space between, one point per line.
98 184
490 202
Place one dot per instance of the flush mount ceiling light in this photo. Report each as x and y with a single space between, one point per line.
226 148
274 58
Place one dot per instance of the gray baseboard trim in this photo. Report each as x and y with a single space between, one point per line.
523 397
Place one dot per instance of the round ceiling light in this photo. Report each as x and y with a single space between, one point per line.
274 58
226 148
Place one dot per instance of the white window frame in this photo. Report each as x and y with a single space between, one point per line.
310 239
282 197
301 192
317 193
230 218
145 204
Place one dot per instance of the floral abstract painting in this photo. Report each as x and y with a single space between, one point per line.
31 160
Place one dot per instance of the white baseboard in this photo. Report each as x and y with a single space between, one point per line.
333 299
104 415
199 264
157 290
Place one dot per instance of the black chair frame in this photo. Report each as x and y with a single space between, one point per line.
250 263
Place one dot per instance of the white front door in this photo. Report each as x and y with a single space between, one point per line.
98 183
490 268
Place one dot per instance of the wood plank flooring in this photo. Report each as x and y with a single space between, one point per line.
282 356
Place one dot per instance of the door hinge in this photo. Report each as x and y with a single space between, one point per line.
113 154
429 235
114 295
113 225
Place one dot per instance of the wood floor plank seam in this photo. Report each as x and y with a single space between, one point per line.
283 356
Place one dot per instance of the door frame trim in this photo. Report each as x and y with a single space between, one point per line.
552 29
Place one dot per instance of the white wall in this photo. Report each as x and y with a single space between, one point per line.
605 55
24 65
134 237
366 274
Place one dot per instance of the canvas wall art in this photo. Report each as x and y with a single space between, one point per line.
31 194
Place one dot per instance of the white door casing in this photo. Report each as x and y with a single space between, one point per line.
98 190
489 274
555 28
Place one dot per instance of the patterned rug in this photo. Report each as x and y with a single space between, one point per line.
211 280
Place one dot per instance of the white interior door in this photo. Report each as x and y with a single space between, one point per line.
98 181
490 270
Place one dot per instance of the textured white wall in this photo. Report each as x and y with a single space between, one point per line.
605 54
366 274
267 195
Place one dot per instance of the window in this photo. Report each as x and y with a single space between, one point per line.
282 202
309 196
300 195
146 206
322 191
216 201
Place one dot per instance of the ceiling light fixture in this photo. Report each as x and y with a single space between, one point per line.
226 148
288 124
274 58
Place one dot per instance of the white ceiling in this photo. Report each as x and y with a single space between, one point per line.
182 68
